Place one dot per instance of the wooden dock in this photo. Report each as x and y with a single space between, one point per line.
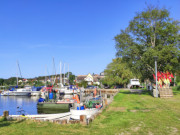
109 91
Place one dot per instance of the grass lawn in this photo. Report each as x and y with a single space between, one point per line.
129 113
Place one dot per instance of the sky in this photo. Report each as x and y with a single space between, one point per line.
76 32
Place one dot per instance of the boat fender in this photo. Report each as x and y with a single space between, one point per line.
41 100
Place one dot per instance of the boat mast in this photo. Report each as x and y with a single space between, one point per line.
64 74
45 76
17 73
68 73
54 70
60 76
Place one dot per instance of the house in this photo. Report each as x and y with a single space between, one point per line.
90 79
23 80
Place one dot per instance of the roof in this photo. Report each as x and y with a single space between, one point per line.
96 77
81 77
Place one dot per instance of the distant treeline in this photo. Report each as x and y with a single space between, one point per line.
13 80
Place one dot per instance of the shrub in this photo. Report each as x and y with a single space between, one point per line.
177 87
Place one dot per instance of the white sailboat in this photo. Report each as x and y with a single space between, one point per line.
26 91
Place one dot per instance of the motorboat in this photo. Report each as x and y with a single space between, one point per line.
26 91
88 108
76 113
36 91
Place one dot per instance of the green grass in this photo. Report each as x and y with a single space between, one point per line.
128 114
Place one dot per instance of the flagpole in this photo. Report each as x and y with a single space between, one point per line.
156 75
64 74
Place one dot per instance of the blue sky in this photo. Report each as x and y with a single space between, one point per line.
77 32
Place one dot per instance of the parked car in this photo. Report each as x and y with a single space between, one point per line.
106 87
91 87
119 86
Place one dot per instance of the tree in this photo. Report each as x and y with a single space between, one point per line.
1 81
151 33
11 81
71 78
117 73
83 84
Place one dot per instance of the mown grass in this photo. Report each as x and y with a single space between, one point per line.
129 113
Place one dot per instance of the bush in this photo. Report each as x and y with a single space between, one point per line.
177 87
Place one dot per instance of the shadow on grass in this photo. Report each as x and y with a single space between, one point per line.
4 122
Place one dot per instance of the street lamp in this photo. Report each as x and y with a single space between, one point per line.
155 58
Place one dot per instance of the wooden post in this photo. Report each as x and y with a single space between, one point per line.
6 114
83 119
64 121
105 96
106 103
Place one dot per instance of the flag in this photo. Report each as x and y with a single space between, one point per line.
172 75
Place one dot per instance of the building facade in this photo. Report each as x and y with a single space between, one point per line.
90 79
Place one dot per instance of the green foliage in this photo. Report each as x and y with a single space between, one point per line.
38 83
151 33
177 88
177 79
117 73
11 81
83 84
71 78
1 81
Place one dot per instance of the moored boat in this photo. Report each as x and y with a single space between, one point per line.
17 92
90 107
75 114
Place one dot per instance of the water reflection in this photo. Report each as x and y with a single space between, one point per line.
29 104
10 103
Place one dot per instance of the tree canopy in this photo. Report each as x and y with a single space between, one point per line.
117 73
71 77
150 33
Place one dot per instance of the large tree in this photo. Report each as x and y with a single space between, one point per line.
150 33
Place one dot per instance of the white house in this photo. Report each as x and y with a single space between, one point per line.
91 79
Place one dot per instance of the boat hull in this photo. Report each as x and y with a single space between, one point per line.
15 93
35 93
75 114
53 106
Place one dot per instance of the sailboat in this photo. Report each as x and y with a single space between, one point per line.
26 91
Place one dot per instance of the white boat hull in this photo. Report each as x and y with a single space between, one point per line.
75 114
18 92
15 93
35 93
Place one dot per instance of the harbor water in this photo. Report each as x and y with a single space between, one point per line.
17 105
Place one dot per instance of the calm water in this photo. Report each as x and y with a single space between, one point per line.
10 103
28 104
